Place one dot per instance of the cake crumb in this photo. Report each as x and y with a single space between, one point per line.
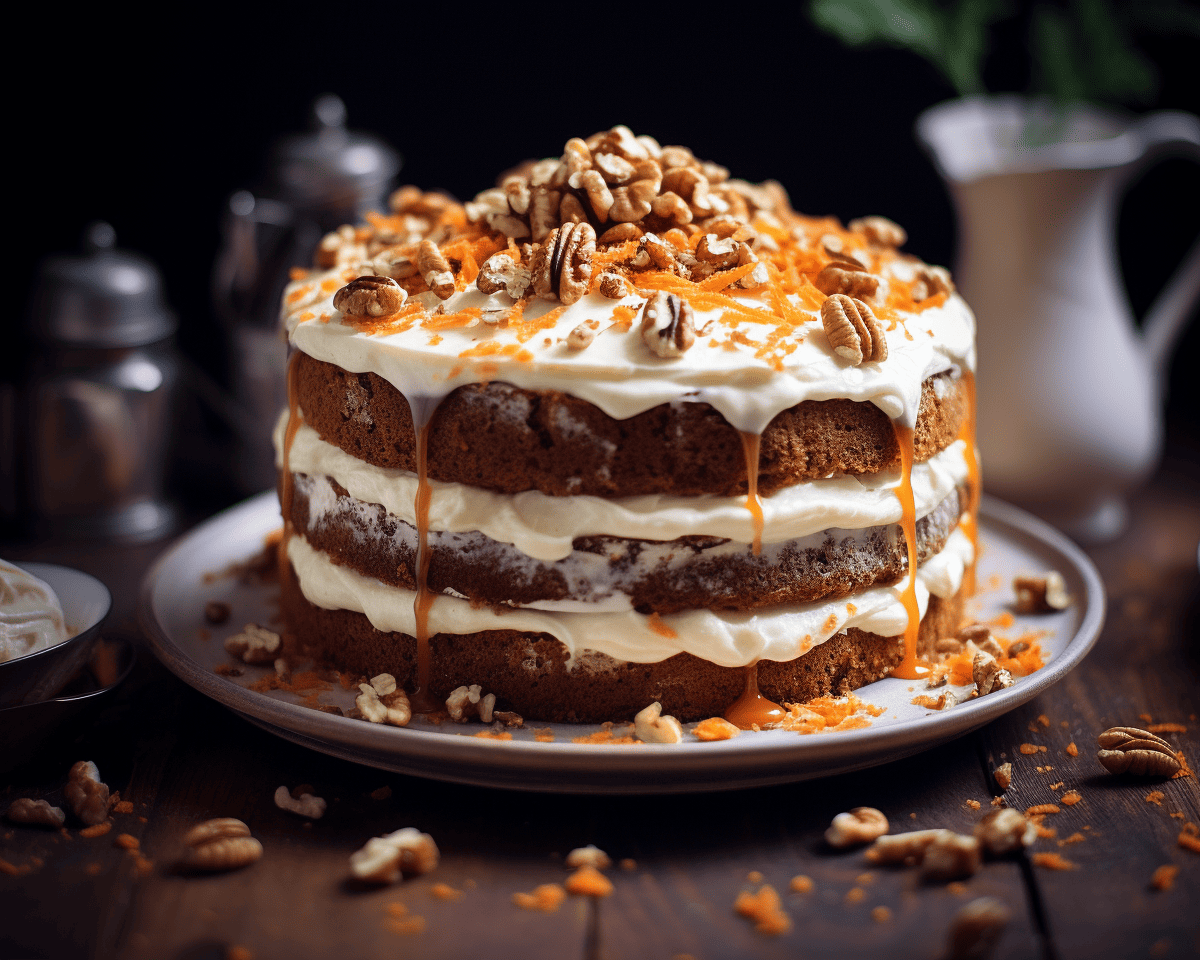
609 733
96 829
754 876
628 864
1155 797
1072 750
236 952
1052 861
587 881
865 879
1029 749
1043 720
1145 717
881 914
443 891
405 925
546 898
92 869
1164 877
764 909
1058 786
1070 798
973 804
543 734
957 888
1076 837
493 735
1041 809
1167 728
855 895
1189 837
122 806
380 793
126 841
828 714
801 884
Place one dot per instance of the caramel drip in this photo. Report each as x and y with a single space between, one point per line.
751 443
970 519
910 668
422 701
286 484
752 709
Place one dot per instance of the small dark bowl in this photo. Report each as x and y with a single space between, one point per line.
23 728
42 675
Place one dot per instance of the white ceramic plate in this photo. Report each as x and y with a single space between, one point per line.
176 590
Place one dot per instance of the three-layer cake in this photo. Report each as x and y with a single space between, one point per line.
517 446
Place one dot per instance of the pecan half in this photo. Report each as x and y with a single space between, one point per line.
848 277
435 269
221 844
880 230
1136 752
853 330
501 272
562 266
668 325
370 297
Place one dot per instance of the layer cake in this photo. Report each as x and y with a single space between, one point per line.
625 429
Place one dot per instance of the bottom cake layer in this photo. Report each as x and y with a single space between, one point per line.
529 673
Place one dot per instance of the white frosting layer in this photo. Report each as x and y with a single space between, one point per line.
31 618
543 527
729 639
617 372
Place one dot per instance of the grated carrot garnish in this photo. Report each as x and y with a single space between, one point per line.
449 321
719 281
623 317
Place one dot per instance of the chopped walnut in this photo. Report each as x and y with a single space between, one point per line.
948 646
620 233
650 726
988 675
582 335
853 330
383 859
589 856
976 928
930 281
668 325
1046 594
435 269
393 709
653 252
371 296
305 804
1003 776
465 702
39 812
847 277
1136 752
86 794
980 634
221 844
1005 831
861 825
383 684
903 848
501 272
613 286
254 644
880 230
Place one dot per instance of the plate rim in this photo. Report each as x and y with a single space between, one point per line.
691 767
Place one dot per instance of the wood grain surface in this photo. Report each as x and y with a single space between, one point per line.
180 758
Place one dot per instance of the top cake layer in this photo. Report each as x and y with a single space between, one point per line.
544 283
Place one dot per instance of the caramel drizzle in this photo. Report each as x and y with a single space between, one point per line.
970 518
287 485
910 668
752 709
751 443
422 700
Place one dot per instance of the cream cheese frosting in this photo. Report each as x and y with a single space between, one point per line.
544 527
616 372
727 638
31 617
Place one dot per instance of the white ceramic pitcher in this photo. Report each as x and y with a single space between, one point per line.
1070 394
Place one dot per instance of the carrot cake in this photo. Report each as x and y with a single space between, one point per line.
625 429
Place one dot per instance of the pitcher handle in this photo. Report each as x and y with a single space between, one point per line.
1171 131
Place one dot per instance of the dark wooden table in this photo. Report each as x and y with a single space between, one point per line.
181 758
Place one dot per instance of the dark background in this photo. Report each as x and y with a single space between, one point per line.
156 123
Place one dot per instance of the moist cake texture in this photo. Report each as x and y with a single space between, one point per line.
625 429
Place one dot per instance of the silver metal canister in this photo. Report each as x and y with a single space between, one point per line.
94 400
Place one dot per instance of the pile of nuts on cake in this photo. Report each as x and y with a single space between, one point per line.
616 206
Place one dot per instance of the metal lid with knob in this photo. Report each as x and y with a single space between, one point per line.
330 168
104 297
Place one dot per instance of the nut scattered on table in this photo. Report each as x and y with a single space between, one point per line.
217 612
1005 831
650 726
976 928
861 825
85 793
36 812
1136 752
951 856
1047 594
466 702
383 859
220 844
903 848
589 856
1003 776
392 708
305 804
255 644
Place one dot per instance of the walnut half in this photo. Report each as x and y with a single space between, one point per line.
861 825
